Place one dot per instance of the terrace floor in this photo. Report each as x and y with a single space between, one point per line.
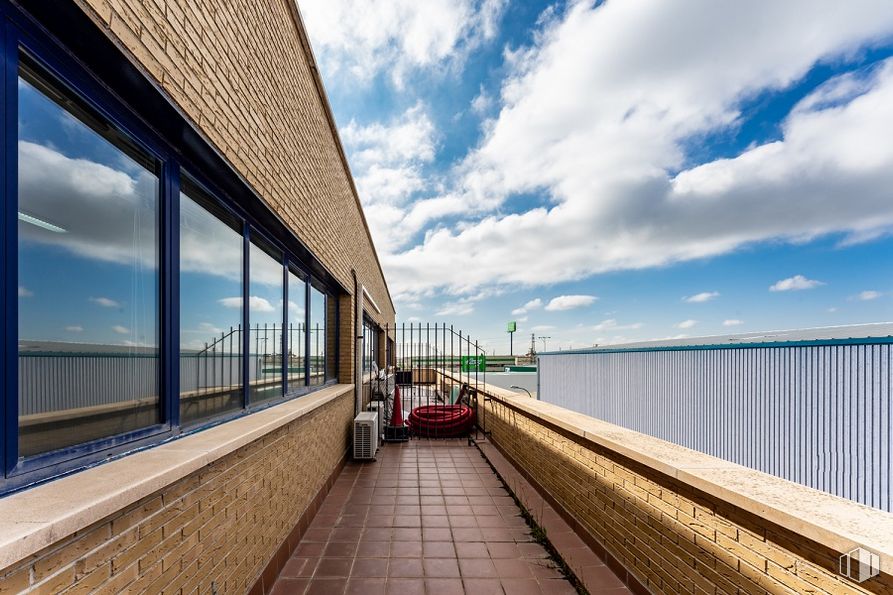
425 517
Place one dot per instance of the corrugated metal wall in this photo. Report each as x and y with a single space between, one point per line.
819 415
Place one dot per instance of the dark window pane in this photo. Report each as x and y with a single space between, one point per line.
210 311
297 323
265 317
88 273
317 332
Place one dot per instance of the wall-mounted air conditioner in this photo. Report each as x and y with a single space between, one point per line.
365 436
379 408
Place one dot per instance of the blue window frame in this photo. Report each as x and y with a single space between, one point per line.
153 346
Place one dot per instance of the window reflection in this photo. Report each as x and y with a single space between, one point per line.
370 349
331 337
265 318
210 309
317 331
297 322
87 273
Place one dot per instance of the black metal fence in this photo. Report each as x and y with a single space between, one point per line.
436 369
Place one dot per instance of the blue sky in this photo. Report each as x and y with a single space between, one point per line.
629 170
598 172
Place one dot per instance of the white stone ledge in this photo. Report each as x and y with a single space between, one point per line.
829 520
35 518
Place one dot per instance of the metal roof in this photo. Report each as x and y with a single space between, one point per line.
863 333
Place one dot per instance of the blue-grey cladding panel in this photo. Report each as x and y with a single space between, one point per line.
818 415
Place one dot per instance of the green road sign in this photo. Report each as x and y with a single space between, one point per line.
474 363
513 326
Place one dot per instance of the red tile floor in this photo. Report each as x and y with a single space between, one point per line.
425 517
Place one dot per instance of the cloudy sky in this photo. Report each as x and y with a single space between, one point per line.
611 171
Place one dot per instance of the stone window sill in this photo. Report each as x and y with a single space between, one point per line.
35 518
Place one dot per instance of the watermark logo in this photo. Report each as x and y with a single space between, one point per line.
860 564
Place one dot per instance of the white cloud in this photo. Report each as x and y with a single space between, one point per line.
255 303
411 136
869 294
388 162
456 309
795 283
357 40
704 296
569 302
533 304
465 305
542 327
686 324
25 292
612 325
75 328
121 330
105 302
482 103
732 322
601 139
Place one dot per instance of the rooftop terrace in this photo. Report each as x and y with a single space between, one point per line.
428 516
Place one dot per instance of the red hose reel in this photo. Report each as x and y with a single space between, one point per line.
441 421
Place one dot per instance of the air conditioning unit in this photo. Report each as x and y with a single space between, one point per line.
365 436
379 408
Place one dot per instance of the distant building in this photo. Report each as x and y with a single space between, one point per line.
808 405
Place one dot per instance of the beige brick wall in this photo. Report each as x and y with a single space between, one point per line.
221 525
242 72
669 536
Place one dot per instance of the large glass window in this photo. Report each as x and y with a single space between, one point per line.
297 331
265 317
93 241
317 331
88 280
210 308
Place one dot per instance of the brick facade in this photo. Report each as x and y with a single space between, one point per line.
243 74
220 526
669 537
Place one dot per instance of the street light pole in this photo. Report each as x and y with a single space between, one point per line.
543 339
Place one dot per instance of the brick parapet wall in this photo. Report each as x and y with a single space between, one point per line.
222 525
668 536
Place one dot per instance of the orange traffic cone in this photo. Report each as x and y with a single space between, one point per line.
397 414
